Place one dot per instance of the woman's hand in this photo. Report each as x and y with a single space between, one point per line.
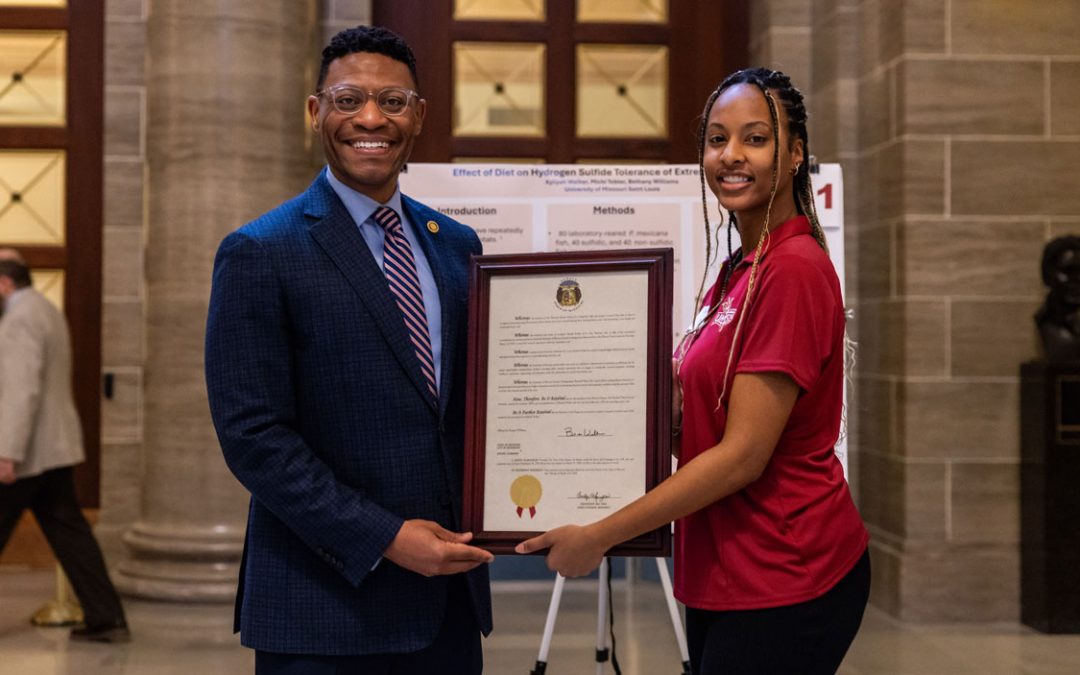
574 550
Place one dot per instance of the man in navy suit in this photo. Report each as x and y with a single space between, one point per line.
338 397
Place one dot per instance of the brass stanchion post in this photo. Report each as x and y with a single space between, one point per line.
64 610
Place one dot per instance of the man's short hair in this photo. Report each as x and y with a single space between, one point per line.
372 39
16 271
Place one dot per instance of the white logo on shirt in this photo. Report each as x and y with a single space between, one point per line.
725 315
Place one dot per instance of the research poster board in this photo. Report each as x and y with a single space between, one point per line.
521 208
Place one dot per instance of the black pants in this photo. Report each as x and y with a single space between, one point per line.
50 496
809 638
455 651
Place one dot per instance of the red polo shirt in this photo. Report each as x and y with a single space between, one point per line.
792 534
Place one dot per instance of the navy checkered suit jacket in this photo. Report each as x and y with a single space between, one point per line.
321 412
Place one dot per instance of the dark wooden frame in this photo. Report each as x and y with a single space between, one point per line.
80 257
707 40
659 263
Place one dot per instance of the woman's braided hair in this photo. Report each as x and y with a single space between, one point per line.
774 85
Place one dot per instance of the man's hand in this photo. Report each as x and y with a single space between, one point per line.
7 471
427 548
574 550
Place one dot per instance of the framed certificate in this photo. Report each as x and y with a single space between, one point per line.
568 413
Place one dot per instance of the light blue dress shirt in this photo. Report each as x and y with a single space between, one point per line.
361 208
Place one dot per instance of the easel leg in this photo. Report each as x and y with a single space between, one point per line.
602 652
549 626
673 610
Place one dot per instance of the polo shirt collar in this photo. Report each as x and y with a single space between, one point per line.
786 230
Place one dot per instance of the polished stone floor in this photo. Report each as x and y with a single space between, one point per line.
170 638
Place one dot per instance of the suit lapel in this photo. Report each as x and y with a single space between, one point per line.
339 237
432 245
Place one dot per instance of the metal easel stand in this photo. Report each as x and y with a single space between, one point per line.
603 652
63 610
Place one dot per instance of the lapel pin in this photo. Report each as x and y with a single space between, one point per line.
432 226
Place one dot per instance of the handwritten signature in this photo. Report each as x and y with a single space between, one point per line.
593 497
586 433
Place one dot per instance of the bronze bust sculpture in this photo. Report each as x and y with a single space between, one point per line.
1059 317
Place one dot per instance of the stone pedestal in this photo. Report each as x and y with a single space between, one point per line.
226 85
1050 501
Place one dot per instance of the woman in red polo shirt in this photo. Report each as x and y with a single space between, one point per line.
770 553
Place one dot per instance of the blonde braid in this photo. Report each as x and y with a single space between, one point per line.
704 202
806 197
759 251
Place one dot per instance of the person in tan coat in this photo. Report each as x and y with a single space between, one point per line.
41 442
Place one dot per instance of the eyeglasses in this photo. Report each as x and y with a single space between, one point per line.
348 100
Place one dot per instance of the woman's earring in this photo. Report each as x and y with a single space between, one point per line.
795 169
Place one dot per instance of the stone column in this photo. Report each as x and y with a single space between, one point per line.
226 83
960 103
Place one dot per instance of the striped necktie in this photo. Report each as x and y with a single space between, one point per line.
400 267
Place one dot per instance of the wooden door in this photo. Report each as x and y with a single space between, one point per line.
51 116
565 81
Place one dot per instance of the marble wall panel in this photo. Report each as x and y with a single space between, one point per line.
876 406
922 325
777 13
1062 228
129 9
981 27
867 199
122 312
923 504
125 52
875 262
789 51
121 415
122 333
1015 177
890 30
869 41
885 565
849 165
879 345
124 111
912 26
965 258
821 10
121 482
881 480
338 15
847 111
124 184
875 109
823 122
898 337
122 273
835 47
759 17
357 11
992 337
985 500
959 583
957 97
912 175
1065 97
840 53
958 420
